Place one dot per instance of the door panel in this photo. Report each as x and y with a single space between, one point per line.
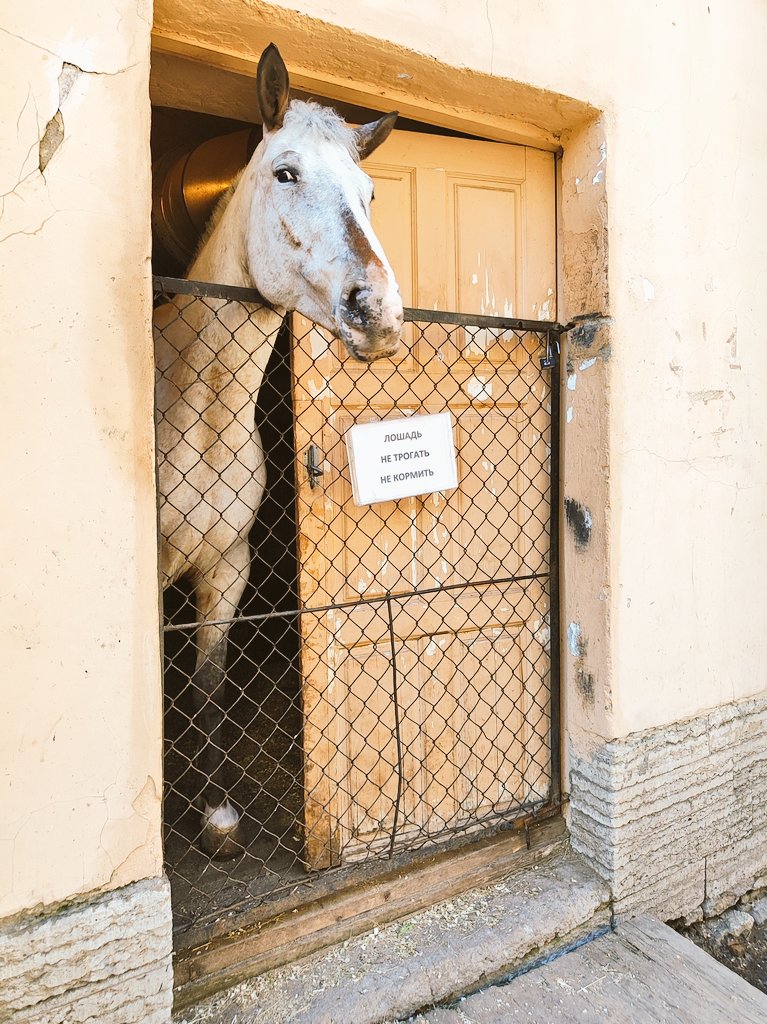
457 733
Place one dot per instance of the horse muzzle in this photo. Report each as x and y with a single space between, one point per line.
370 324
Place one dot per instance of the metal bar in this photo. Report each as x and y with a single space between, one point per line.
404 596
436 316
555 737
397 731
204 289
555 668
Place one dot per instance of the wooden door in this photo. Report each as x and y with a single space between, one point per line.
456 733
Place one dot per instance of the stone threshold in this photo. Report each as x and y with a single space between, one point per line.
434 956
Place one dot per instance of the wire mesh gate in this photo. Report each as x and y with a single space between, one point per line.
391 676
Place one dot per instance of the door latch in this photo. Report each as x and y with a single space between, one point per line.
313 470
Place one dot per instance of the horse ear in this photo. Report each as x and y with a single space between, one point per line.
370 136
273 87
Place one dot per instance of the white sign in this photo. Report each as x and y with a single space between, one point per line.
400 458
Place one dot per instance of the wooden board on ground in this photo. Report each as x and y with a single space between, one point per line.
643 973
266 943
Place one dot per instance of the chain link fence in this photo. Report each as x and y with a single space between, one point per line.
391 668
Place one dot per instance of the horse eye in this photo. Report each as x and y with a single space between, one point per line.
285 176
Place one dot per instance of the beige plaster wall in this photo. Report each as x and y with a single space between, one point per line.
659 109
689 417
80 718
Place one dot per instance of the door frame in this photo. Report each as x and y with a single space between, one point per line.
575 131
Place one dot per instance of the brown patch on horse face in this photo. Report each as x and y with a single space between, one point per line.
294 241
359 246
367 319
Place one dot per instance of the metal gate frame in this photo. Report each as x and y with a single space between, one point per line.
548 334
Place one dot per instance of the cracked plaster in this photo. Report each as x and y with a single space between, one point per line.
83 751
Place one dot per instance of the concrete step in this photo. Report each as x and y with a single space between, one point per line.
642 973
431 957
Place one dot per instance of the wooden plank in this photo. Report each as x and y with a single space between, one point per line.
643 973
268 944
230 76
330 885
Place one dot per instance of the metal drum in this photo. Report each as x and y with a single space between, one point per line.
188 186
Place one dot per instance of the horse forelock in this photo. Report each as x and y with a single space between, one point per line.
322 122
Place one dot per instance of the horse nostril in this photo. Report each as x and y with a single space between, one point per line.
352 299
355 305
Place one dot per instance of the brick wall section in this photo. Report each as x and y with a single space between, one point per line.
106 961
675 819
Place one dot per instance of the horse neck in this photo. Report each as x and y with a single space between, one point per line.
223 259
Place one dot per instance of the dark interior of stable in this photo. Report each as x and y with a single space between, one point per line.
262 700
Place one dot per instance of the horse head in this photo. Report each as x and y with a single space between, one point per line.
310 244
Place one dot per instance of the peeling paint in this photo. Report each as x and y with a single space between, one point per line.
572 379
709 396
542 633
588 363
319 344
67 78
53 136
479 389
569 414
574 639
732 341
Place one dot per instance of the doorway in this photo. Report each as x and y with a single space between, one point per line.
391 685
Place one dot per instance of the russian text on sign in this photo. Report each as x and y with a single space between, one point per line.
388 463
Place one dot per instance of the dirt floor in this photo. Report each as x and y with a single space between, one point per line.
737 939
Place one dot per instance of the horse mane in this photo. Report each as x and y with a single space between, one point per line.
315 120
215 217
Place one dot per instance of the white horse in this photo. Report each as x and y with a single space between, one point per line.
295 225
